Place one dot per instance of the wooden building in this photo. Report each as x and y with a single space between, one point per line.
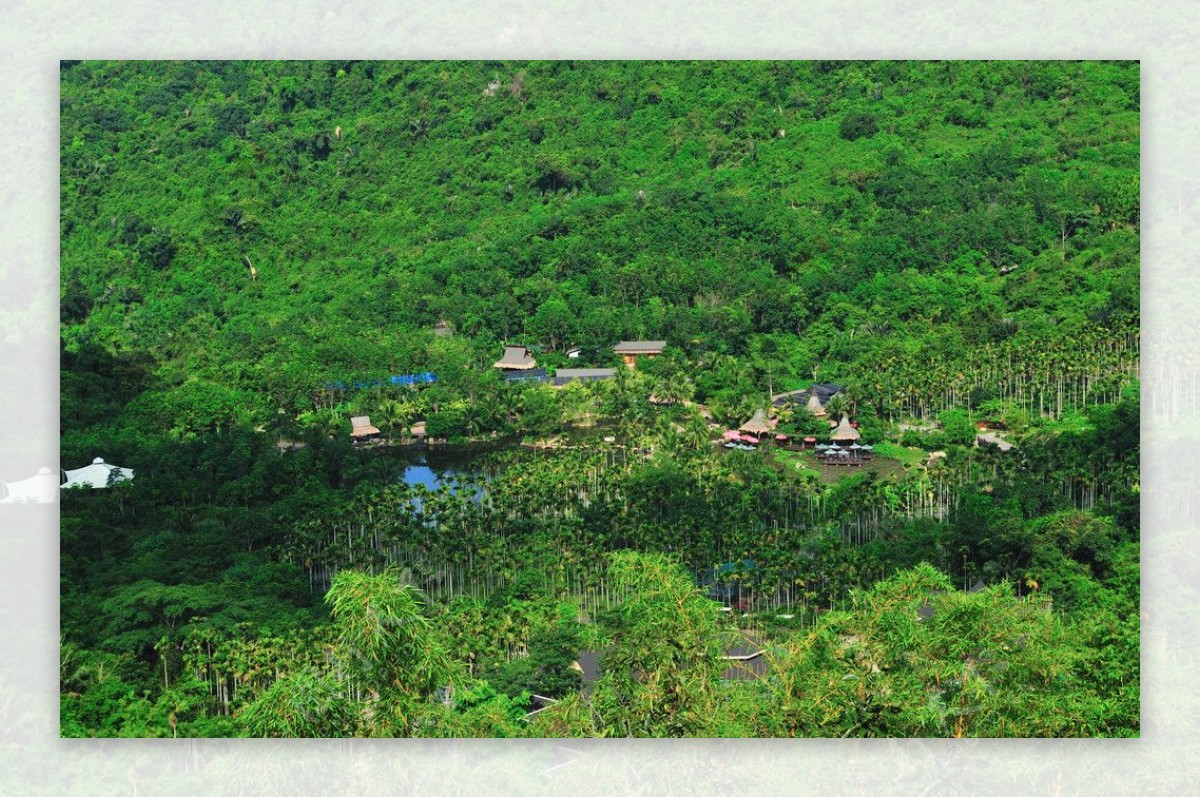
361 429
630 351
758 425
516 358
526 375
844 433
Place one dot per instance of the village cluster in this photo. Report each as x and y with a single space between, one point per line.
519 365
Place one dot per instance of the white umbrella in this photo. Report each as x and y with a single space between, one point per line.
96 475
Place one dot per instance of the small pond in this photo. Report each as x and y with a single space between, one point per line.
437 466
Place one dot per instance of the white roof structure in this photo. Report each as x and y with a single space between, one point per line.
96 475
40 489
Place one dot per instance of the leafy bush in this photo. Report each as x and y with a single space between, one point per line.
858 125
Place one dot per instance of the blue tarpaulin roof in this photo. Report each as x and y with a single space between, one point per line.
398 379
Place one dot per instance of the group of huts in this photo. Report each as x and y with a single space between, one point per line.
843 448
519 365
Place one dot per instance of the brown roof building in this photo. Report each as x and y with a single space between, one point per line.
758 425
515 357
814 405
361 428
630 350
844 432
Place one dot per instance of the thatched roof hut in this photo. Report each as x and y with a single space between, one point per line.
361 428
758 425
631 350
844 432
516 357
814 405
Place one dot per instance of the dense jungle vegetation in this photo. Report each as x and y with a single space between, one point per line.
243 242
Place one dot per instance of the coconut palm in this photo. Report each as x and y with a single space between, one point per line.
838 405
393 416
696 434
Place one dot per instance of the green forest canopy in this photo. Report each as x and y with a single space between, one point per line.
813 217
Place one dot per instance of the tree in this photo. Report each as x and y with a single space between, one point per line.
838 406
385 649
957 427
661 674
388 643
913 656
541 412
304 704
858 125
553 322
394 417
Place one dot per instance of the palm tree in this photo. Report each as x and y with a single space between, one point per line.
838 405
696 434
490 408
674 388
327 423
393 416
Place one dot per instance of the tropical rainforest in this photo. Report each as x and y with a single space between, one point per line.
249 250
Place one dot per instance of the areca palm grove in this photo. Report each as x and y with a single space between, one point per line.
255 252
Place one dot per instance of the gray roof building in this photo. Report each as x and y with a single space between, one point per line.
640 347
515 357
563 376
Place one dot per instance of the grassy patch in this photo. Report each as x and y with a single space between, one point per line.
801 462
1070 422
905 454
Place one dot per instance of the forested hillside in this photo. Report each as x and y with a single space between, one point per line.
245 242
